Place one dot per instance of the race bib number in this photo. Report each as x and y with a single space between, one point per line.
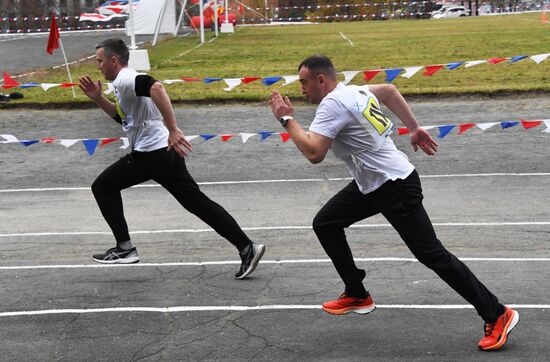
376 117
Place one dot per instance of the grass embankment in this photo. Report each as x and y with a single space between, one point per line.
277 50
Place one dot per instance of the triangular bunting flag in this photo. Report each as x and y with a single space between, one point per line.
410 71
530 124
206 137
517 58
191 138
539 58
246 136
226 137
271 80
90 145
473 63
285 136
106 141
349 75
67 85
125 143
8 138
432 69
47 86
402 131
27 143
453 66
444 130
232 83
110 88
290 79
48 140
68 143
464 127
507 124
9 82
547 124
264 135
496 60
391 74
247 80
30 85
369 74
172 81
211 80
189 79
485 126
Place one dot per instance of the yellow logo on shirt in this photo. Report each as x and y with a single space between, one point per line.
374 115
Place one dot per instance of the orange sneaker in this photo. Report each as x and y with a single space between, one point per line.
496 333
346 304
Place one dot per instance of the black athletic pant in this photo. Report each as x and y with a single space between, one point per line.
400 202
169 170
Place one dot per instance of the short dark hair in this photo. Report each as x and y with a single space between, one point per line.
319 64
116 47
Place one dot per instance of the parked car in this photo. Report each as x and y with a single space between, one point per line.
450 12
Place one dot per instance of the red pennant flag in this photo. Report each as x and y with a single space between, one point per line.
226 137
9 82
187 79
496 60
247 80
285 136
530 124
369 74
67 85
53 40
48 140
432 69
464 127
402 130
106 141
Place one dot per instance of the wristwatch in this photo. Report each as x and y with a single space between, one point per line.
284 120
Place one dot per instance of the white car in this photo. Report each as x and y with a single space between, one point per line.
450 12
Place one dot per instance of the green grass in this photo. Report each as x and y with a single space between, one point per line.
277 50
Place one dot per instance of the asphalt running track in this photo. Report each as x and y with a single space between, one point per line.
487 194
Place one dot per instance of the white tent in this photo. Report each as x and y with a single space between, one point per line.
153 14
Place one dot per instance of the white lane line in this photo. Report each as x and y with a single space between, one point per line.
235 262
346 38
87 188
271 228
239 308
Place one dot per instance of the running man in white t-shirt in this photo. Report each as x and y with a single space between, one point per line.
349 121
158 146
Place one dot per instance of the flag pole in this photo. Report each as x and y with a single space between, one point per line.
67 66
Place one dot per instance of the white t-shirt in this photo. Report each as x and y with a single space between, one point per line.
351 116
141 119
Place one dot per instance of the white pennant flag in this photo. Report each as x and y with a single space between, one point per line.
289 79
429 127
190 138
68 143
110 88
246 136
473 63
125 143
47 86
539 58
547 123
485 126
232 83
410 71
9 138
349 75
172 81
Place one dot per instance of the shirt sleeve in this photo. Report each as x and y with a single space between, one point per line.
329 119
143 85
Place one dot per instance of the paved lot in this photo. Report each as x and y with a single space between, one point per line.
486 192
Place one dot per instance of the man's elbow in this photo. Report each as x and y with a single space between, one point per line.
316 158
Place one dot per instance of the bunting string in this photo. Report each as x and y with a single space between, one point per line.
92 144
390 74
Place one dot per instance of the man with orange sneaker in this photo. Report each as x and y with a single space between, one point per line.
349 121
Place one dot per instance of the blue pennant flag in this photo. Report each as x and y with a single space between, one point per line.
391 74
90 145
211 80
444 130
264 135
271 80
453 66
206 137
27 143
507 124
30 85
517 58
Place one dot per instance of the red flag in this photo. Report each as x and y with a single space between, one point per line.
402 131
431 69
530 124
226 137
9 82
464 127
53 40
369 74
284 136
496 60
